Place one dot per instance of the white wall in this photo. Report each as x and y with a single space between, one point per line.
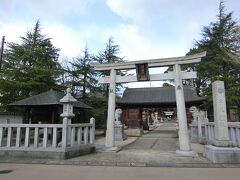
12 119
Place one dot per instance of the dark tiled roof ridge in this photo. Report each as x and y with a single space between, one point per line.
157 95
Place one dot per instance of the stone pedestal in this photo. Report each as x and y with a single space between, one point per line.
186 153
135 132
114 149
119 133
222 154
221 143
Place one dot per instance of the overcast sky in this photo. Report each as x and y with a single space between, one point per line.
143 28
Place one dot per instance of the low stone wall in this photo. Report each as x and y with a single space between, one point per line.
208 133
194 134
43 154
51 141
218 154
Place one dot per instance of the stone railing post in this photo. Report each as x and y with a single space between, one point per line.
1 135
92 131
67 116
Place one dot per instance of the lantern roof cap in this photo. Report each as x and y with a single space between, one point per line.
68 98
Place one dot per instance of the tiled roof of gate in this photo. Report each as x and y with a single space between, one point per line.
51 97
157 95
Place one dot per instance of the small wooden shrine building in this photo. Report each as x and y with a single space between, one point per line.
155 101
46 107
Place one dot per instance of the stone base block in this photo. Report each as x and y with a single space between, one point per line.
42 153
226 155
119 133
221 143
111 149
136 132
186 153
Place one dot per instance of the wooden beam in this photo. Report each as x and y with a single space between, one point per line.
151 62
153 77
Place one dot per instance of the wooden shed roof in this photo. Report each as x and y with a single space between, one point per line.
51 97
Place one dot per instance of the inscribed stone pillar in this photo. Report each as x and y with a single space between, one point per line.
184 144
220 114
110 143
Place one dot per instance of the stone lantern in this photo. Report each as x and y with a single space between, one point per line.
67 114
68 101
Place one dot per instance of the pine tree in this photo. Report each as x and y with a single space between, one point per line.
221 41
109 55
29 68
83 75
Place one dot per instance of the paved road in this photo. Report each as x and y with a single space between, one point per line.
65 172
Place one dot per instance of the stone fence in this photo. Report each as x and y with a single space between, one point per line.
222 138
208 133
55 141
63 139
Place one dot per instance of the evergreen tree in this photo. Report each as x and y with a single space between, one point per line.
109 55
222 43
29 68
83 75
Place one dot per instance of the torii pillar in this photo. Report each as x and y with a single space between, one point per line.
110 142
184 143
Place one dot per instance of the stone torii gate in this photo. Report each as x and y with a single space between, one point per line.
143 75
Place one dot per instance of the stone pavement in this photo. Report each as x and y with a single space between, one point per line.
155 148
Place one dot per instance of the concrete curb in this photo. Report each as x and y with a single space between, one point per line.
119 164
